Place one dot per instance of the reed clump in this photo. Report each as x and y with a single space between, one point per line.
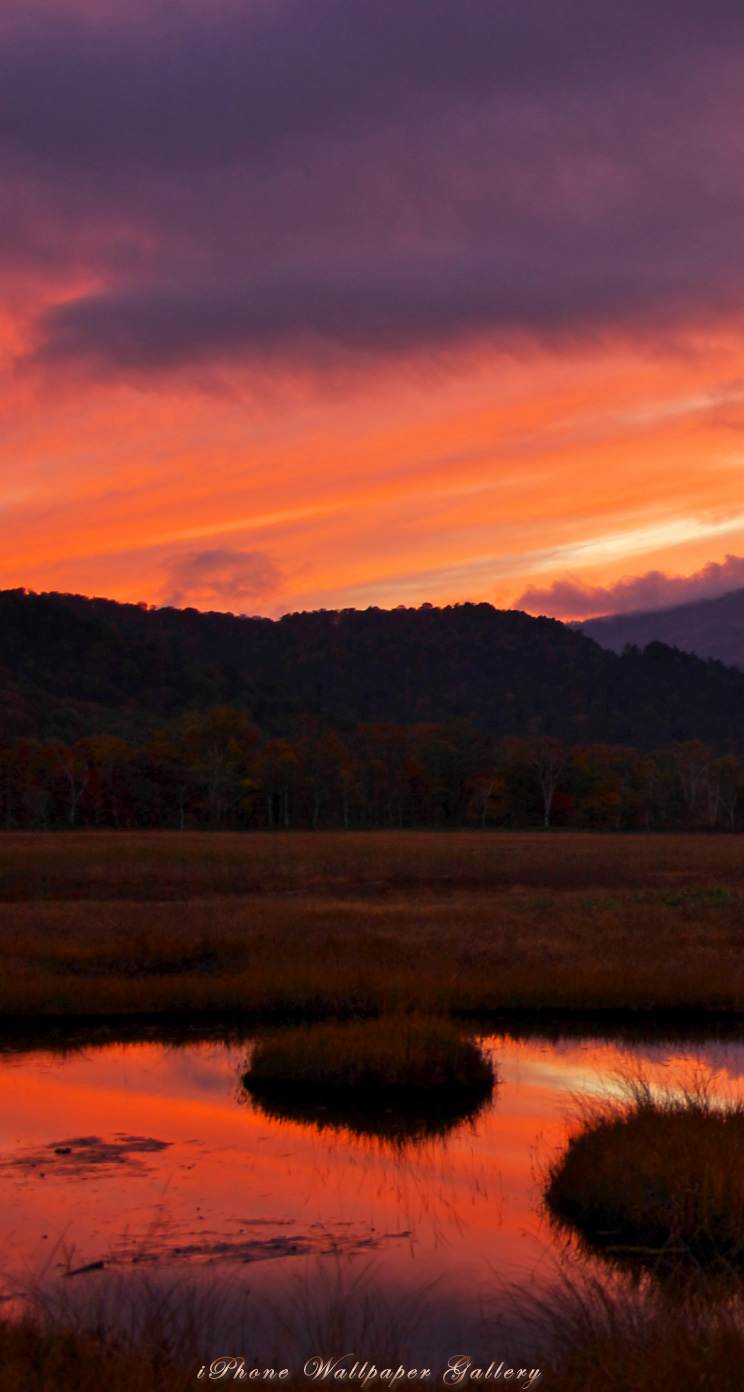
657 1180
68 1360
603 1334
400 1076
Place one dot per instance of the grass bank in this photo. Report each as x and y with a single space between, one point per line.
313 926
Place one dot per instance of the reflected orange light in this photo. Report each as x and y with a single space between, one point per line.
229 1173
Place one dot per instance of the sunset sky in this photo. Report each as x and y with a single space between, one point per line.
332 303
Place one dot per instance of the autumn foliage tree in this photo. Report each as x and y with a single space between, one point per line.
215 769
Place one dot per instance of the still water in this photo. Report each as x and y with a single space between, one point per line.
152 1160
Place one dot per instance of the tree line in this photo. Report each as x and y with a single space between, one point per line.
218 770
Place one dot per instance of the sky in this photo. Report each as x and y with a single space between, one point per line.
335 303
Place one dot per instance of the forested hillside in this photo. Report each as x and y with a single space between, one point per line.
71 666
115 715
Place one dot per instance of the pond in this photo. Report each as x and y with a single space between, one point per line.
148 1162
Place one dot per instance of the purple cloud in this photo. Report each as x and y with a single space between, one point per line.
305 178
571 599
220 576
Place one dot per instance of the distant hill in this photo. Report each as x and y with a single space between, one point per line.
707 627
71 666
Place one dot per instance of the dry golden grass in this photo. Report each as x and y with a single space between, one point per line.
316 957
186 865
331 924
609 1337
33 1359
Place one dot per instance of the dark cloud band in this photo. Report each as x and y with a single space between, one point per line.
305 177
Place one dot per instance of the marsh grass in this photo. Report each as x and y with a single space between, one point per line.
657 1181
125 1337
60 1360
601 1333
585 1335
339 1305
402 1077
331 925
313 957
166 866
127 1334
146 1332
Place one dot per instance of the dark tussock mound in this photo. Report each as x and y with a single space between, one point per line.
659 1182
399 1077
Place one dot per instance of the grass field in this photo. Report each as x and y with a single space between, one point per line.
330 924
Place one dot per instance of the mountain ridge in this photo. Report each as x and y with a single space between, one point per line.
710 628
95 660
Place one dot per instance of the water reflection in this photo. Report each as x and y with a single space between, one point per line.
408 1120
400 1080
223 1187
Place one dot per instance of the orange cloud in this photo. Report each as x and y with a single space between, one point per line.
474 479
